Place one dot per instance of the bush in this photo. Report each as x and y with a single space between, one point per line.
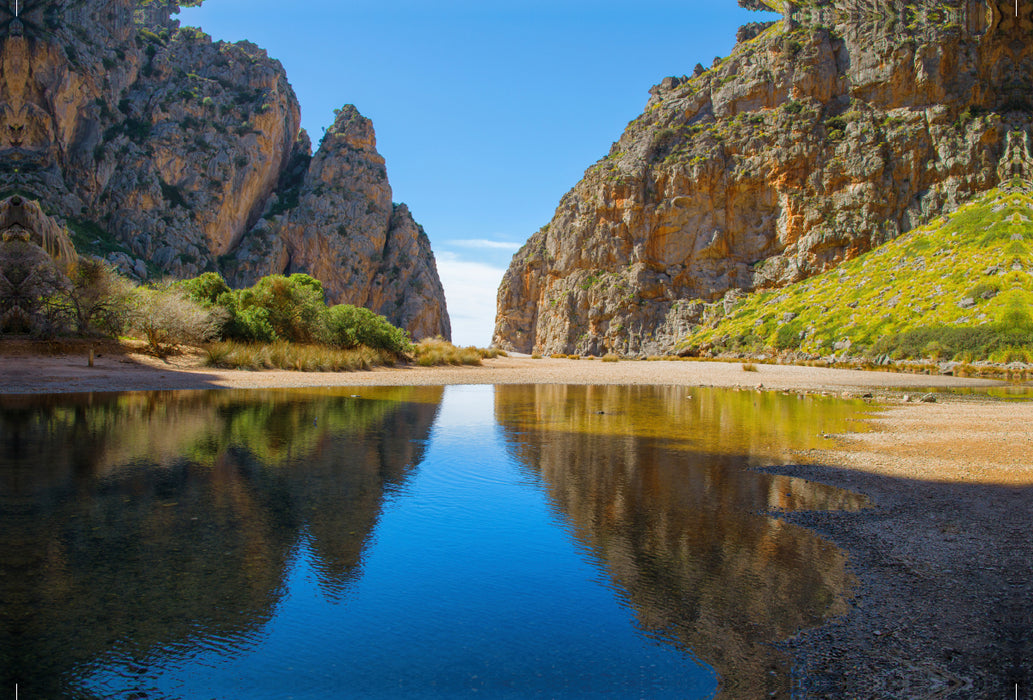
168 319
294 306
788 337
1014 331
205 289
253 324
348 326
95 301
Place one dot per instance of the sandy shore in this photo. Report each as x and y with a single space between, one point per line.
25 373
944 562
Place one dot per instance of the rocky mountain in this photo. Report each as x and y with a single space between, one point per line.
822 135
171 154
958 287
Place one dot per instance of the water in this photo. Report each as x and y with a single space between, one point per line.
410 542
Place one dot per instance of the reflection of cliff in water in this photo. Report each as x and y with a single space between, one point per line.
675 520
141 524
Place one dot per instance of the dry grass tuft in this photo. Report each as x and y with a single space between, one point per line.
435 351
295 357
749 367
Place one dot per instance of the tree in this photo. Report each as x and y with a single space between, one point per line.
98 300
169 319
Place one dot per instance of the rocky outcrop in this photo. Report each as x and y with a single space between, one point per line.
36 256
338 223
820 137
174 155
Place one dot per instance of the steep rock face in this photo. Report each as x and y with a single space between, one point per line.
164 150
820 137
346 231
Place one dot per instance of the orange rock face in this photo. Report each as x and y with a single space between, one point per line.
823 136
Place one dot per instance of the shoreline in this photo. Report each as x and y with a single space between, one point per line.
25 373
943 566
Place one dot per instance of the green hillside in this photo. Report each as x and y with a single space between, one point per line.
959 288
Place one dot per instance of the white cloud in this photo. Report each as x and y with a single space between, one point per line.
470 290
484 243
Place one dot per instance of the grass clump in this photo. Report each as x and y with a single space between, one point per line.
610 357
749 367
436 351
280 354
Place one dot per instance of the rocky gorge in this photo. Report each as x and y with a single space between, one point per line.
823 135
171 155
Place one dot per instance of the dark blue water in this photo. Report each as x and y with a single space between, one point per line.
468 541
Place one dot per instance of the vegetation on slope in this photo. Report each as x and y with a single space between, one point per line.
958 288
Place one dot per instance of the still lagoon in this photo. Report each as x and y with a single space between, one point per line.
464 541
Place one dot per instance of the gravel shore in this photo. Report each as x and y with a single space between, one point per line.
944 606
945 562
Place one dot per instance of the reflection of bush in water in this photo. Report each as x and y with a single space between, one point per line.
656 487
151 520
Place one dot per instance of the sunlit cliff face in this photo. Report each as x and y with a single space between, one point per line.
976 51
54 74
821 136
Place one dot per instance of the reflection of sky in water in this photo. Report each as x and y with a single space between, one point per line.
469 583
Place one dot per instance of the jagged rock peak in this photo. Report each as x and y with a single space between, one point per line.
355 129
174 155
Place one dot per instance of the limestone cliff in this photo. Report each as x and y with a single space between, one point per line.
821 136
172 155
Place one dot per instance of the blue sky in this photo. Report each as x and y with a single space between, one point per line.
486 111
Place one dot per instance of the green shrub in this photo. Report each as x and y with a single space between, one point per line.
294 304
835 128
348 326
252 323
788 337
205 289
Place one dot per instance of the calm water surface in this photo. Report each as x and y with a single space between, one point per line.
409 542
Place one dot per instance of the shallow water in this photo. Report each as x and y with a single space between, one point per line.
410 542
